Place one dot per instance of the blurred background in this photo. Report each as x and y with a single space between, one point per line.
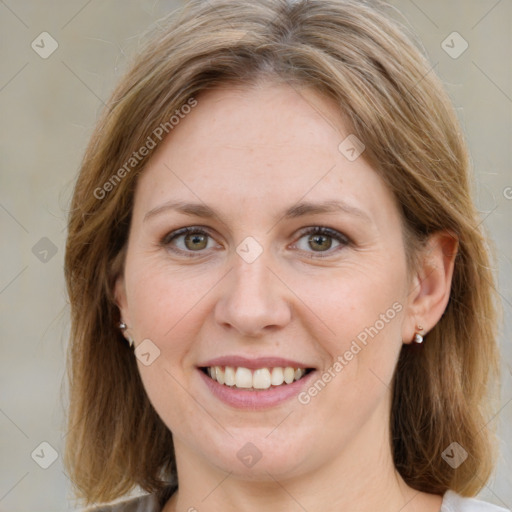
60 62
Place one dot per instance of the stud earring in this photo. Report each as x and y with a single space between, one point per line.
418 338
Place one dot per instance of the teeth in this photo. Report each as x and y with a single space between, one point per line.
219 375
289 375
277 377
229 376
243 378
262 378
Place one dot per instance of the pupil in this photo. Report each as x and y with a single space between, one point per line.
317 239
196 239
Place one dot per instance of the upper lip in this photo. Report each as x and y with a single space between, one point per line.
253 364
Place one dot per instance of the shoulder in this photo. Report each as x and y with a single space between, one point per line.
147 503
453 502
154 502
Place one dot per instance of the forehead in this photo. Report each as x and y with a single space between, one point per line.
272 141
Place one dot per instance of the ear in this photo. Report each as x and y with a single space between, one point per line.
122 304
120 294
430 287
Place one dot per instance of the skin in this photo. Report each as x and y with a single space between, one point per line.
249 153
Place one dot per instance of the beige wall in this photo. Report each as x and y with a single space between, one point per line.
49 107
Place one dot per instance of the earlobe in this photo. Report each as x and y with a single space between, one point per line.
119 291
120 298
430 290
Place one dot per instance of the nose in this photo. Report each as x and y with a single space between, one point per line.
253 300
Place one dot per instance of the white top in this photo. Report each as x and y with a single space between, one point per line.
452 502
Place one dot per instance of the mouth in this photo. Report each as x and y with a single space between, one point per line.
254 383
256 379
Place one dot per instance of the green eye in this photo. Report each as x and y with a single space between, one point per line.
196 241
320 239
321 242
315 241
187 240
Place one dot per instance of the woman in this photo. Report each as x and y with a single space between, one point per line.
280 292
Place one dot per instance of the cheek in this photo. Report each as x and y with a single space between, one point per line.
164 302
364 308
355 303
169 308
165 307
358 325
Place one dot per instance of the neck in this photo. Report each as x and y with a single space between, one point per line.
362 478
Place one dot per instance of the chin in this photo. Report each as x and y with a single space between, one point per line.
260 454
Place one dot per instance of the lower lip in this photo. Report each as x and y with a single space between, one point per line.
259 399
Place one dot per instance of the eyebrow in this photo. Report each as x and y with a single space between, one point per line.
297 210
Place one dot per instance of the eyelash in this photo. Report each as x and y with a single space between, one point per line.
315 230
331 233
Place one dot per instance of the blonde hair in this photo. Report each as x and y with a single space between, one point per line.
349 51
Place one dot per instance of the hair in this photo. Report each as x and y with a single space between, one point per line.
355 53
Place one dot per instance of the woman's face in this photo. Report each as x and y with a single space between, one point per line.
254 171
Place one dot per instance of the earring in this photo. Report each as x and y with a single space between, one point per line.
418 338
123 326
130 340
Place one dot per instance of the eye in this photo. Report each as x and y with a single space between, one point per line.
320 240
188 240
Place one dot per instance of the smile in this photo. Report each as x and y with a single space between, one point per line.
255 383
255 379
